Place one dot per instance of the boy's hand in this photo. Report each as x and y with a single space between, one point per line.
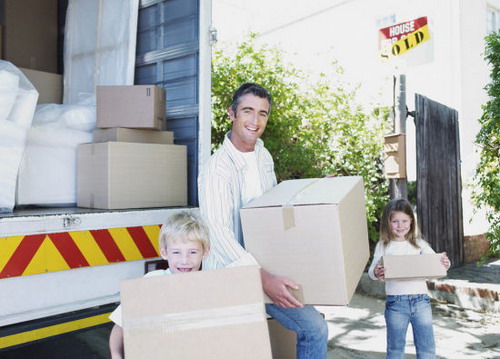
445 261
379 271
276 288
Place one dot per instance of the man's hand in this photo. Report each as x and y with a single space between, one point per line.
276 288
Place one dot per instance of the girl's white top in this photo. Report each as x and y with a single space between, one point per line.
401 286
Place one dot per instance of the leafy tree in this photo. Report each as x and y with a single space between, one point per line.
488 138
314 129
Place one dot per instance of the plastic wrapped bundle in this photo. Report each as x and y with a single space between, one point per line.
18 100
47 175
99 46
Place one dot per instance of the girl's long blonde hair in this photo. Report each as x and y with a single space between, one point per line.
398 205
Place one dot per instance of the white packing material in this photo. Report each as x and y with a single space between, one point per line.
47 175
76 117
9 84
13 129
100 40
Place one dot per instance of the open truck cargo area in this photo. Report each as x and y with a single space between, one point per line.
61 267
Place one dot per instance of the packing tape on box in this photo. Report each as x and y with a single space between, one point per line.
287 212
196 319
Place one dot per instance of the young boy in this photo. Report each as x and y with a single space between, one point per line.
183 243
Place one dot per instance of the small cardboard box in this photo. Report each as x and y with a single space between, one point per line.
283 340
313 231
115 175
120 134
413 266
395 156
135 106
48 85
207 314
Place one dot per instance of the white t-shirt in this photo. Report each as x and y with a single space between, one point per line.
116 315
401 286
251 186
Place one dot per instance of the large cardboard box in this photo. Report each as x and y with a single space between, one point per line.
114 175
413 266
48 85
313 231
207 314
120 134
30 34
283 340
135 106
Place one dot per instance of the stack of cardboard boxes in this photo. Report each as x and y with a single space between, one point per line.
132 162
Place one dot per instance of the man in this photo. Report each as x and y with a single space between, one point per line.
239 171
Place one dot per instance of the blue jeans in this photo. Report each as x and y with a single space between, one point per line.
400 310
311 328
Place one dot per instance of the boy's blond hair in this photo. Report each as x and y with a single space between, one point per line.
184 226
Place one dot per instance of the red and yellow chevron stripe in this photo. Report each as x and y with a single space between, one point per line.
42 253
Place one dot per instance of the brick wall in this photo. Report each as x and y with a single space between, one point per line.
475 247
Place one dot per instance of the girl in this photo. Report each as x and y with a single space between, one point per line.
407 300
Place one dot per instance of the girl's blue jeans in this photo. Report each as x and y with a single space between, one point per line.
311 328
400 310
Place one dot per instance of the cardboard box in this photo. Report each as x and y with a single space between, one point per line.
48 85
283 340
395 156
30 34
136 106
207 314
119 134
313 231
413 266
114 175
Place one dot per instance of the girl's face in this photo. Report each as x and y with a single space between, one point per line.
400 224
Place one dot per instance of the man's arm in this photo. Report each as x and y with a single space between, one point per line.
217 208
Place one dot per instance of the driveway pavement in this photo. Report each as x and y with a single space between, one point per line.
358 331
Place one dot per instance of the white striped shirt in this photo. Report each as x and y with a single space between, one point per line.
220 189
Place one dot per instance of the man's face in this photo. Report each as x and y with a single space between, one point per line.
183 255
249 122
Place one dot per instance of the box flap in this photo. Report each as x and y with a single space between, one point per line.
310 191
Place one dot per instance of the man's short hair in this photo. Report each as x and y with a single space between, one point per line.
253 89
184 226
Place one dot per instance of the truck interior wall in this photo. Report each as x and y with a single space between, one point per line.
168 56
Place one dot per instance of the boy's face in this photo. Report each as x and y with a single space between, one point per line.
183 256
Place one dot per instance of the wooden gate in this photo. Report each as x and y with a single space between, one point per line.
439 185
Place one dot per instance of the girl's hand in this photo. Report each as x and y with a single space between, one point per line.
379 271
445 261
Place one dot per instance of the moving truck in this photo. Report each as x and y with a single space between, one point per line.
61 268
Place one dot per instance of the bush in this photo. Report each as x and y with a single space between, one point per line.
488 138
314 128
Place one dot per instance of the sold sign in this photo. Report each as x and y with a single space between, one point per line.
398 39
